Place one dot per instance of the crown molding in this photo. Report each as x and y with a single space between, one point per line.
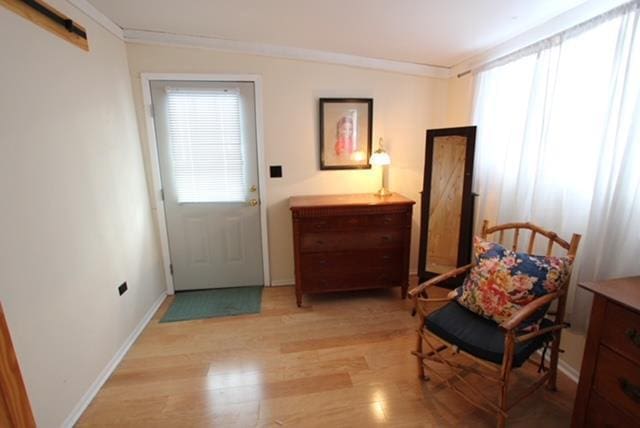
233 46
100 18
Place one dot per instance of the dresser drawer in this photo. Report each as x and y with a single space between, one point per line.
601 414
327 263
618 379
623 331
348 222
350 281
338 241
390 219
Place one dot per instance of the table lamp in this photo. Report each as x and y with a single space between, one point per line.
381 158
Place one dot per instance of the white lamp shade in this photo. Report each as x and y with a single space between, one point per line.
380 158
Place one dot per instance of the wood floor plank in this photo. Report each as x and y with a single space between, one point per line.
345 340
280 408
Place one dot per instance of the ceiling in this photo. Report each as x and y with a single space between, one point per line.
433 32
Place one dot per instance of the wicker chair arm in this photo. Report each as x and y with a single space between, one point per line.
528 310
438 279
533 335
421 304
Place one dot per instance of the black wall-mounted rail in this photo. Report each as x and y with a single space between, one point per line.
65 22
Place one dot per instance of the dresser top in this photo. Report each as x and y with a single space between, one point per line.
360 199
625 291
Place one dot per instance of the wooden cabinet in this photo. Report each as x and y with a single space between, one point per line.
609 390
350 242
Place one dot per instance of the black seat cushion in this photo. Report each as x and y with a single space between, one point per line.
479 336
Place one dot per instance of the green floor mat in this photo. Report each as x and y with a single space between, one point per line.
220 302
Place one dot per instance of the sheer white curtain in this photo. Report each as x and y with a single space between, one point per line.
559 144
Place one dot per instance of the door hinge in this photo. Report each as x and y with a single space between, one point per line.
171 268
162 194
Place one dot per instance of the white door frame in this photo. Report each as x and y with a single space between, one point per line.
152 152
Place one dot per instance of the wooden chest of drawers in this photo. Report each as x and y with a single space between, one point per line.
350 242
609 389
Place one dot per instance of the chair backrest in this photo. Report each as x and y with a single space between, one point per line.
552 238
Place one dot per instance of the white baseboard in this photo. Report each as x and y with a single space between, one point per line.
565 368
106 372
569 371
292 281
282 282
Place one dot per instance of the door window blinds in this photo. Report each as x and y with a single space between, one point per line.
205 145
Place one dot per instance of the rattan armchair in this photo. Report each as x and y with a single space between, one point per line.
494 349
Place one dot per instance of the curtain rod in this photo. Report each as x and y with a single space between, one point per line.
556 38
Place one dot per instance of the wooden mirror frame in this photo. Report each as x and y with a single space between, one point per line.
466 219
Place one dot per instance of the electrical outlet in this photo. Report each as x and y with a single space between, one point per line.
123 288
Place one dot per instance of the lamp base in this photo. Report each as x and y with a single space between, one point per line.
383 192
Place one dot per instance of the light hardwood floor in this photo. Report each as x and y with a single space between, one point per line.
340 360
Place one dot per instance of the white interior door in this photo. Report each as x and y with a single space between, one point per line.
206 135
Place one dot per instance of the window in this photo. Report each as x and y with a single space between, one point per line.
559 142
205 145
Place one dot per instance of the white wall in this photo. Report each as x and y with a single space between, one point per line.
460 100
75 215
404 107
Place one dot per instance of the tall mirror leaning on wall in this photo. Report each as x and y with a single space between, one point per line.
446 221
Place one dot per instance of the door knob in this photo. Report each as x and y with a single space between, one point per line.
253 202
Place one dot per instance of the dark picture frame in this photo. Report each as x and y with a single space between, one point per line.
346 126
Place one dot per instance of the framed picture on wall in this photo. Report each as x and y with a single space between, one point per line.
345 133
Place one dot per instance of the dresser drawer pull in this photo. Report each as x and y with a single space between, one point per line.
630 390
320 242
386 257
633 336
322 262
386 238
387 220
320 225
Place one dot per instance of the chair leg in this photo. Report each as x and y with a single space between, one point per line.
553 363
555 345
505 372
421 374
502 399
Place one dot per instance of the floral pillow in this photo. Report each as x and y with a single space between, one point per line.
503 281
